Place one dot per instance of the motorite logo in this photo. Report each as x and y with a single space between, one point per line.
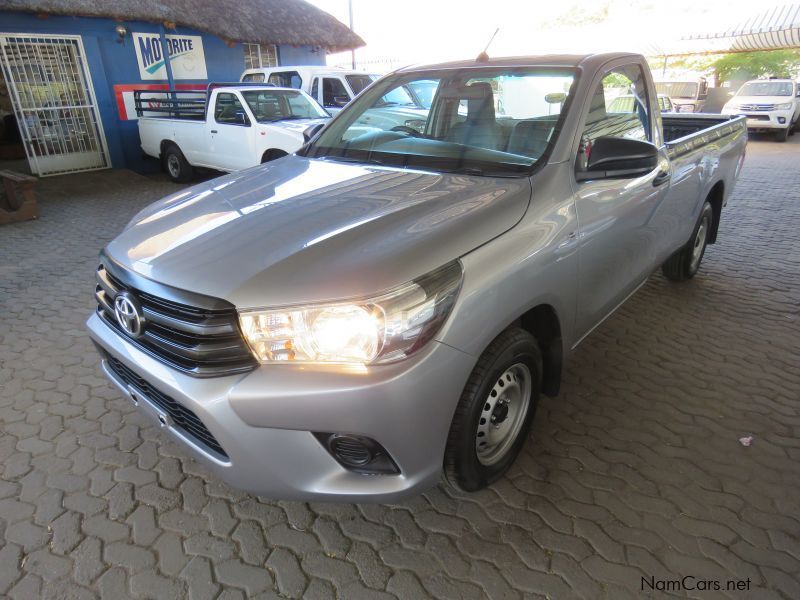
186 56
689 583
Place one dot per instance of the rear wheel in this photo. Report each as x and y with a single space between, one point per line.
685 262
495 411
176 165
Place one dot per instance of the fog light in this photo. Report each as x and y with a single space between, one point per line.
358 453
781 120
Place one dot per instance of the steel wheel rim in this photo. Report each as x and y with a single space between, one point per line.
173 165
699 243
503 414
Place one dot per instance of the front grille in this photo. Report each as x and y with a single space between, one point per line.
183 418
756 107
202 341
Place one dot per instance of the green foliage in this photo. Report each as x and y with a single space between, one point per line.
751 65
701 65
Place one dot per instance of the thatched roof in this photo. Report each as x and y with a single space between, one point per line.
266 21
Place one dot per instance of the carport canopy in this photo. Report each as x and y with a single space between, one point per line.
777 28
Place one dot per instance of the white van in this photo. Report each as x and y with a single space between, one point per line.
333 88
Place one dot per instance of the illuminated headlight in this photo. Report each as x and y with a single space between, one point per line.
786 106
382 329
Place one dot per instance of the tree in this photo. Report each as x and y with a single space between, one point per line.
751 65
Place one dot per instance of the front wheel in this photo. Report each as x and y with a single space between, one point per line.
782 134
273 154
495 411
685 262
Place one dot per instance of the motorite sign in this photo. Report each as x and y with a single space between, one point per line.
186 56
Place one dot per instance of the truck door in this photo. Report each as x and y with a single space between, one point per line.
230 134
617 218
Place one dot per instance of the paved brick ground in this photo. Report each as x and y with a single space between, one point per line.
634 471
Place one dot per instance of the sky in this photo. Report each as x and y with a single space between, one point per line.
405 32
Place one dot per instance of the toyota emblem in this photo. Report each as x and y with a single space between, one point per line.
129 314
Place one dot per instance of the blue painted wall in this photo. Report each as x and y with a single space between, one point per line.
113 63
300 56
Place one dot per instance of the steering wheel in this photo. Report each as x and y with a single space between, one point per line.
404 129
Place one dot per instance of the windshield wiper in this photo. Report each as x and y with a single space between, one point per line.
351 159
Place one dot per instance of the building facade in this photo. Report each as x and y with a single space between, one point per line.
70 81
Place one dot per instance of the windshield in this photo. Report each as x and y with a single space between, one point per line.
678 89
282 105
480 121
359 82
766 88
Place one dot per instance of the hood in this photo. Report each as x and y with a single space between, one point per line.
739 100
295 125
298 230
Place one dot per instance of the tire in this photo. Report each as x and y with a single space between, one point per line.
273 154
177 167
479 450
782 134
685 263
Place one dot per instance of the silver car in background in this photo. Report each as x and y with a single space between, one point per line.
388 304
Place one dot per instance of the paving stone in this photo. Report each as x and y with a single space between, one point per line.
634 469
199 579
288 575
238 574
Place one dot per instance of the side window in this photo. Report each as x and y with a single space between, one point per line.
334 94
315 89
287 79
254 77
629 119
229 110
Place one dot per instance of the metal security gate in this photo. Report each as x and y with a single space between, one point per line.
53 98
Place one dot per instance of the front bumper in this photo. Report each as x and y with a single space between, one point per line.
264 419
764 119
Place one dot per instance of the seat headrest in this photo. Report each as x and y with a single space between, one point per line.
480 107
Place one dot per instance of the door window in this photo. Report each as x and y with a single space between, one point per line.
315 89
229 110
334 94
609 118
254 77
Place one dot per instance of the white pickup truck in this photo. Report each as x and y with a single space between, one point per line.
226 128
770 105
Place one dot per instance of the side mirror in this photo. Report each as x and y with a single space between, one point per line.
341 100
612 157
312 130
241 119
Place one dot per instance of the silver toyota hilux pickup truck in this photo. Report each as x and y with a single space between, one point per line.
387 305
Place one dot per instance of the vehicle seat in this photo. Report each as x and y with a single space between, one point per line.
530 138
481 128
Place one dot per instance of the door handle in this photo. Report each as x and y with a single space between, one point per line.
213 131
661 178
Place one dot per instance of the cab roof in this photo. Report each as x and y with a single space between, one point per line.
543 60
